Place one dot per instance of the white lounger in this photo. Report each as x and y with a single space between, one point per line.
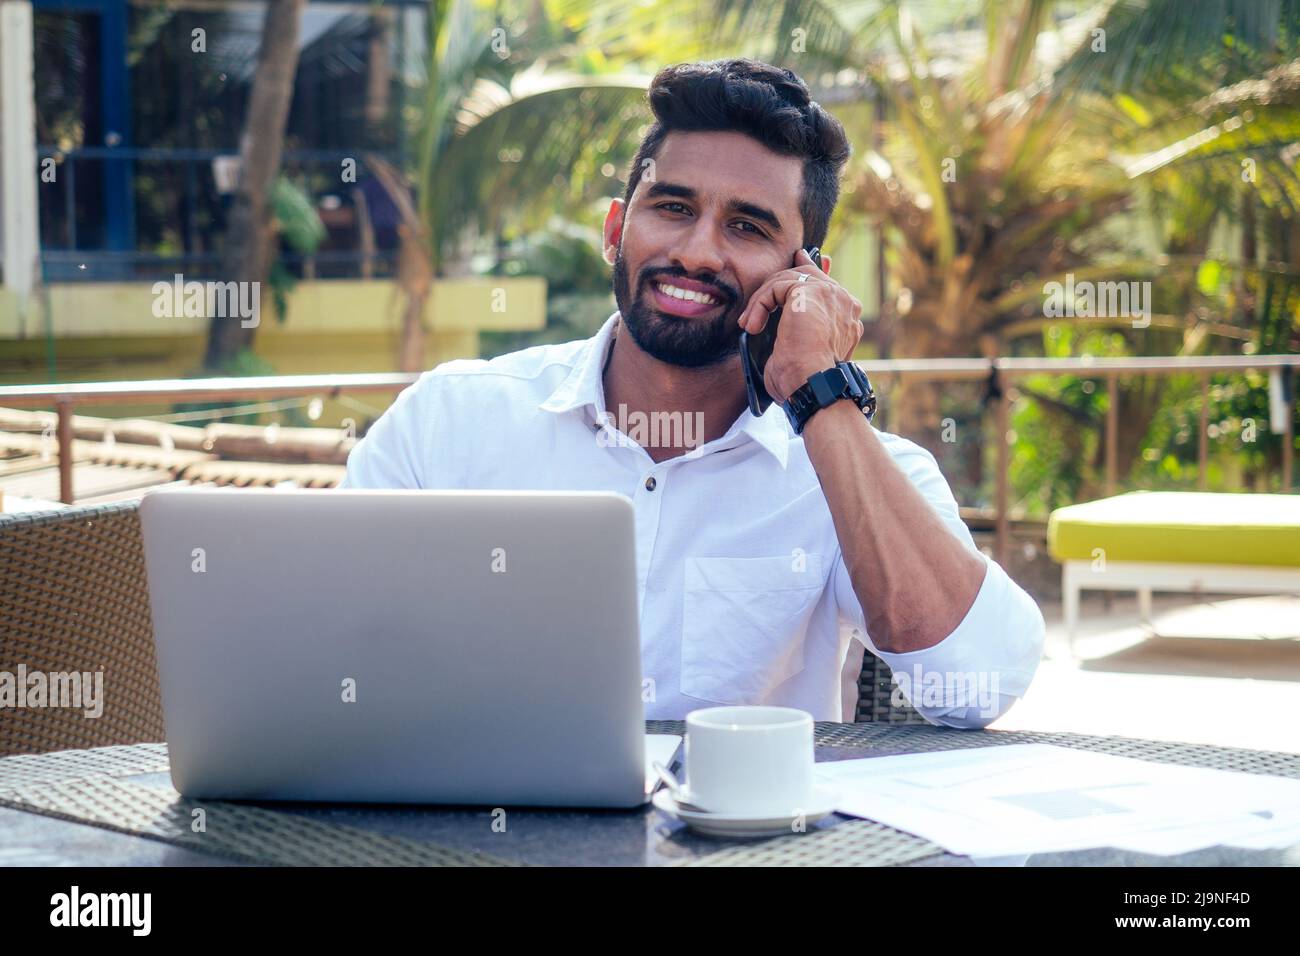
1176 541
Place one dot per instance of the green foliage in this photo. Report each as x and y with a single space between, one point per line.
578 295
566 255
1138 159
299 225
1056 425
296 216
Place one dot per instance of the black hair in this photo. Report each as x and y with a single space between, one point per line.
768 103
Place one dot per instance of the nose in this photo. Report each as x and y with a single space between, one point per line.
700 249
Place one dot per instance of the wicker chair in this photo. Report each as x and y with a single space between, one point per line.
73 597
875 695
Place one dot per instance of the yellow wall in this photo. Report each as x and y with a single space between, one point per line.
99 309
108 331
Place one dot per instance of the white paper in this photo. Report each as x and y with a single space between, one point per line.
1037 798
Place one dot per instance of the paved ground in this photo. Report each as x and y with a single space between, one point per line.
1221 670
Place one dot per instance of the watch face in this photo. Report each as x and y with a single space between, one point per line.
867 401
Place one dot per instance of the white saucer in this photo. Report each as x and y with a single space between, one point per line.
821 803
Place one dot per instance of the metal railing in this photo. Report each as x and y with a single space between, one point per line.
65 398
1001 374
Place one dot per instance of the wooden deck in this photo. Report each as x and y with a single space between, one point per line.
115 460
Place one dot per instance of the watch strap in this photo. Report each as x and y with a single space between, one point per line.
825 388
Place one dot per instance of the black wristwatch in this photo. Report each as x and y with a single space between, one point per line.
845 380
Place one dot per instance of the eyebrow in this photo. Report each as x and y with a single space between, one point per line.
754 211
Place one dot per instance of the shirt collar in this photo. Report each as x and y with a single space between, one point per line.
584 387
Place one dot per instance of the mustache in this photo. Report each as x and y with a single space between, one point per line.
722 290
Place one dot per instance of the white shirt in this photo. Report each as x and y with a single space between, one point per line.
744 594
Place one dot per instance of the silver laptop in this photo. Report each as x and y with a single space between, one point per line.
472 647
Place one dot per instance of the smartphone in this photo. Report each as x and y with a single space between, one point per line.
756 349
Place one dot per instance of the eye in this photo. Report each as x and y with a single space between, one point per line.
666 206
752 229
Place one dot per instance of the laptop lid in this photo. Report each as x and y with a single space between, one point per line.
475 647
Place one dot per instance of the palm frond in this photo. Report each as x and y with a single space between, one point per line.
1150 43
512 156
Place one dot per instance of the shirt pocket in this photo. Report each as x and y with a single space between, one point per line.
744 622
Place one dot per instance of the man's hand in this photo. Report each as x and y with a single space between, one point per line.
820 324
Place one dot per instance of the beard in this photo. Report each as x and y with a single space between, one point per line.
674 339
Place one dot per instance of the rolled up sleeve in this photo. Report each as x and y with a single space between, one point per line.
975 674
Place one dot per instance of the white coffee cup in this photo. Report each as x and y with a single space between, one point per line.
749 761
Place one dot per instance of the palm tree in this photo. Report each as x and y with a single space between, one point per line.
1037 162
511 106
251 239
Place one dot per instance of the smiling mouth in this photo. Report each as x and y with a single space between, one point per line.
684 302
686 294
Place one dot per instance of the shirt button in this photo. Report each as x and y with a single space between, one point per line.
650 483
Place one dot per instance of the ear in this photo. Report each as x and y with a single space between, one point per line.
826 264
613 229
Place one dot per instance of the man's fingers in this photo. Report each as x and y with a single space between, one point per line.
771 294
768 296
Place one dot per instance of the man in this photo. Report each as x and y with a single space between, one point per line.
766 559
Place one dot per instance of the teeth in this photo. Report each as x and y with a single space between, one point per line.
686 294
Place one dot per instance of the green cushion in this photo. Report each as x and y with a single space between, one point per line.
1181 527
